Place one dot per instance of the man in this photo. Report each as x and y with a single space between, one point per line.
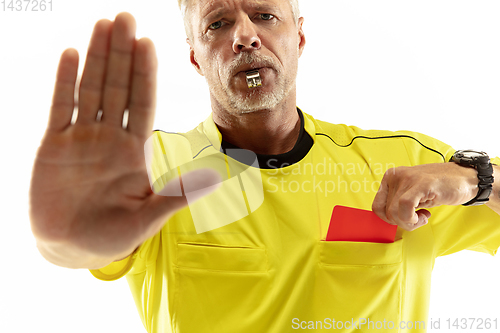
272 270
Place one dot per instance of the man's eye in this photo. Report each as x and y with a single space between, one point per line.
215 25
266 17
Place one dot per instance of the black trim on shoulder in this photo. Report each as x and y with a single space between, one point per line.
168 132
298 152
184 136
201 151
384 137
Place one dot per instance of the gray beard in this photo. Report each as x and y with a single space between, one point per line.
256 100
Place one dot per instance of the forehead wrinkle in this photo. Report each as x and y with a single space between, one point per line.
220 7
261 5
213 6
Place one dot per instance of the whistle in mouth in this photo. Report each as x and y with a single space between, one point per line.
253 79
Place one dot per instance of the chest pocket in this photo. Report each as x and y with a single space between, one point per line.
359 280
219 287
215 257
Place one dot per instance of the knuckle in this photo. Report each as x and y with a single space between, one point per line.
407 227
411 227
404 227
90 87
395 174
114 83
406 202
390 216
388 173
403 171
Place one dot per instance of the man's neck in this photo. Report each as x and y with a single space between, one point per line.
267 132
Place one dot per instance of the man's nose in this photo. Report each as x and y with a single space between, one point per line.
245 36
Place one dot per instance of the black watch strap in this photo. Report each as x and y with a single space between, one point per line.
480 162
485 175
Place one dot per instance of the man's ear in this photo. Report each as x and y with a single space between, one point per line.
192 58
302 38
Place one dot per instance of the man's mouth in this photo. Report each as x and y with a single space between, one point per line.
250 67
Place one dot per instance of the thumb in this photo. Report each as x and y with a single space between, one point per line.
171 198
197 184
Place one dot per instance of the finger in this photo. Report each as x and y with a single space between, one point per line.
63 100
392 218
143 90
380 201
395 188
423 219
407 209
404 208
159 208
92 82
119 65
424 213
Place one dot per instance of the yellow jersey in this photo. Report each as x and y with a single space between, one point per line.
270 268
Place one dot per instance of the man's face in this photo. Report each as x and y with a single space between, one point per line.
231 37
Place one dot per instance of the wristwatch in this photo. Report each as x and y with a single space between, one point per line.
481 162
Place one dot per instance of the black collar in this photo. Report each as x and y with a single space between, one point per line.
298 152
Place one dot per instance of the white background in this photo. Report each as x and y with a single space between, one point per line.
426 66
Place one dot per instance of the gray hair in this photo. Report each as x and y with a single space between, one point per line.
183 5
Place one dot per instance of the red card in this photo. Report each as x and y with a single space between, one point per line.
358 225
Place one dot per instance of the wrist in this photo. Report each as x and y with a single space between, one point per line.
471 182
480 163
467 184
495 194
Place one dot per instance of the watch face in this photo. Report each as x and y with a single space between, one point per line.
471 158
471 153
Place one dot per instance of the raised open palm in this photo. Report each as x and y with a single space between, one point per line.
89 184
